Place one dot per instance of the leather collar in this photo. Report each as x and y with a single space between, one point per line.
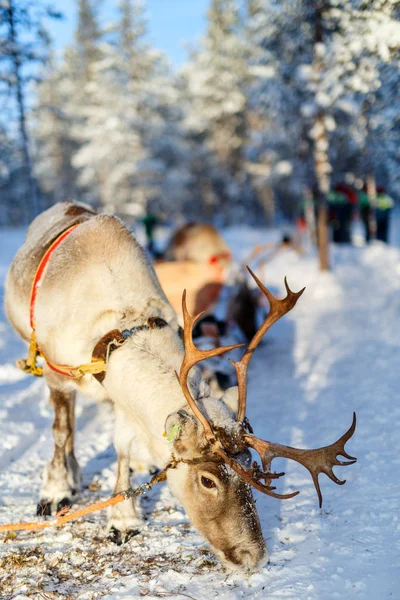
115 338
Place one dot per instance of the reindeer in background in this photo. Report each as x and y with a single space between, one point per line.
198 255
199 259
104 327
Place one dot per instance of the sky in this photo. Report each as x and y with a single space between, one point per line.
172 24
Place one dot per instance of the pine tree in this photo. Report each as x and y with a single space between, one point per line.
279 146
54 144
12 185
63 100
88 35
129 131
216 85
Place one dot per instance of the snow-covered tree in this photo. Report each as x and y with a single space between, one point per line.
23 44
283 96
356 40
130 152
317 63
12 183
88 36
60 109
54 143
216 78
279 42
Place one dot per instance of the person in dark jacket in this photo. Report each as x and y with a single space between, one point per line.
341 201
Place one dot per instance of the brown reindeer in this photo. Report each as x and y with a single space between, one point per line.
104 327
202 259
200 243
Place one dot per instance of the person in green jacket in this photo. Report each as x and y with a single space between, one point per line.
340 213
149 221
365 213
383 209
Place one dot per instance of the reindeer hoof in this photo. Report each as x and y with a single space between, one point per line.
121 537
63 503
43 508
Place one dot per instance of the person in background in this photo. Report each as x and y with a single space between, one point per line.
365 213
341 200
383 208
150 221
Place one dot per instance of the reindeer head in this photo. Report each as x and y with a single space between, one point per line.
215 471
219 502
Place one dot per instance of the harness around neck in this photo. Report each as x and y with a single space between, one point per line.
102 350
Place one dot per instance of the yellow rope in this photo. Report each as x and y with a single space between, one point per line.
29 365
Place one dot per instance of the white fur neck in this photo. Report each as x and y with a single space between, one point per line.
142 383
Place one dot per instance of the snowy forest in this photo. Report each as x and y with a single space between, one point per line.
277 132
279 100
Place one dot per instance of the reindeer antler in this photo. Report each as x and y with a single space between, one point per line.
192 356
278 308
319 460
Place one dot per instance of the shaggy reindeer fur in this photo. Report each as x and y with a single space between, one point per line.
97 280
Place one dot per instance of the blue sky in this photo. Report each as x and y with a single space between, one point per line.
172 24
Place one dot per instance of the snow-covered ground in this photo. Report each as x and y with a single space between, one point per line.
338 351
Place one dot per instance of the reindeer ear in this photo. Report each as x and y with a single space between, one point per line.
181 429
179 425
231 399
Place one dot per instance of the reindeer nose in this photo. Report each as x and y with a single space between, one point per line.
250 559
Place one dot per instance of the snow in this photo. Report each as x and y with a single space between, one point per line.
338 351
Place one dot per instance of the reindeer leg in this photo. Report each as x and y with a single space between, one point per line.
123 522
61 476
73 468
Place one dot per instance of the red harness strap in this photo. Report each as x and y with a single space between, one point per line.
40 271
216 258
107 344
29 365
98 364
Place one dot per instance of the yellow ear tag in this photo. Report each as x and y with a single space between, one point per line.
173 433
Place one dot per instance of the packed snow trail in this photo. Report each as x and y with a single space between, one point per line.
337 351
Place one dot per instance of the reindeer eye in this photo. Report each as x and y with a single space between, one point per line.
208 483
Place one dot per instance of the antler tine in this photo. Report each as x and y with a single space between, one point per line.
251 480
316 461
193 356
278 308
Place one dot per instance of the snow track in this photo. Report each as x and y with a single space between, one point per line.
338 351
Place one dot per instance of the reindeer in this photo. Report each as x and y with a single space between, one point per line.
198 252
200 243
105 328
